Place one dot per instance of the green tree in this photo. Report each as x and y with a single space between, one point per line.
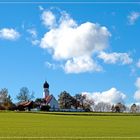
65 100
39 101
25 95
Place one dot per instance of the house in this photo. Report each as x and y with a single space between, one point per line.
49 98
25 105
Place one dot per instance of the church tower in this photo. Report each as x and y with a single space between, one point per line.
46 89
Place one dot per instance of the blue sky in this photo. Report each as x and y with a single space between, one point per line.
99 70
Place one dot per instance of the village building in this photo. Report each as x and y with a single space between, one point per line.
25 105
49 98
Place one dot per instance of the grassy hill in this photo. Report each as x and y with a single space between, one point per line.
14 125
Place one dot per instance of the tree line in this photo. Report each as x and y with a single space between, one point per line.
66 102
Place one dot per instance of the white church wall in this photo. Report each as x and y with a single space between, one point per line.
53 103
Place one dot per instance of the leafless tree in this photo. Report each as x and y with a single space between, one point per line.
133 108
102 107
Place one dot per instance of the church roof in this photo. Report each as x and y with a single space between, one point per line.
48 99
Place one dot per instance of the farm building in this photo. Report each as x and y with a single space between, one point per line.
25 105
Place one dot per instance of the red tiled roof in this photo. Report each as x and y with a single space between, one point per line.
48 99
25 103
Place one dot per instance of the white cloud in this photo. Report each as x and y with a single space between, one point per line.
75 44
133 17
66 21
137 93
113 58
51 65
81 64
68 41
138 63
34 36
48 19
40 8
33 32
78 45
35 42
112 96
9 34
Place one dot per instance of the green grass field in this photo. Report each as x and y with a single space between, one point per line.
78 126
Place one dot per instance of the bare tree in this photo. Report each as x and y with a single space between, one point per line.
87 103
5 99
79 101
133 108
119 107
138 108
102 107
25 95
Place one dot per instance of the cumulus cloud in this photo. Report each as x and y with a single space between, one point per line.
81 64
133 17
69 41
75 43
9 34
112 96
113 58
137 93
48 19
78 46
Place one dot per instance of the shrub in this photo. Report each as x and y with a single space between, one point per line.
45 108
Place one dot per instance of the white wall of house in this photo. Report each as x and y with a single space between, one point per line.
53 103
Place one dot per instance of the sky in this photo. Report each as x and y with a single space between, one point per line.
88 48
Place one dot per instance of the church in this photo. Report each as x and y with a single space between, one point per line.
49 98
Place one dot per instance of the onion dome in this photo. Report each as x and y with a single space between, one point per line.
46 85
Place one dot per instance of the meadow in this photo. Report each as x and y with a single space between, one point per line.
105 126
